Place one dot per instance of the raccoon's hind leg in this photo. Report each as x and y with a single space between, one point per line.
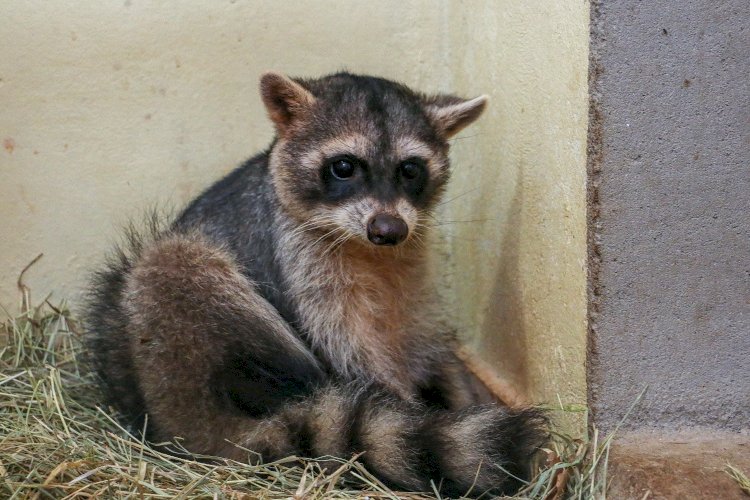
211 356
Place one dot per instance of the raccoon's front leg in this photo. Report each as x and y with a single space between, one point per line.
450 386
212 357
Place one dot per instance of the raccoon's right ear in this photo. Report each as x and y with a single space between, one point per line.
285 100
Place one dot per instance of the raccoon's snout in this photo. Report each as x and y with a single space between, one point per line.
385 229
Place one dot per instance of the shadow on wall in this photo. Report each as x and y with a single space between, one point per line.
503 328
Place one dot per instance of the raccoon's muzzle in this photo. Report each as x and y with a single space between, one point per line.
386 229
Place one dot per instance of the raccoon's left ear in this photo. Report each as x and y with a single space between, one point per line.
452 114
285 99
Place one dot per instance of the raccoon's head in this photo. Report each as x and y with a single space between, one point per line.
359 158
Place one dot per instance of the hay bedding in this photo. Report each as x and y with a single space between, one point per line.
56 442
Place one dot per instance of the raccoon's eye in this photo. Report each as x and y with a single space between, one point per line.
411 170
342 169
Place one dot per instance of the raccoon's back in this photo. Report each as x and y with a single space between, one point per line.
239 213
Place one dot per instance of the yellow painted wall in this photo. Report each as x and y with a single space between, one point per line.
518 250
110 107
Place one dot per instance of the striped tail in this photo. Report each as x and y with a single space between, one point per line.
479 449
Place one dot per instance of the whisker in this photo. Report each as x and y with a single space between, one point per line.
332 245
318 222
332 231
420 241
457 197
446 222
305 227
338 242
418 236
463 137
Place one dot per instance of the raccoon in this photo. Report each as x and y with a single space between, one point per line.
289 308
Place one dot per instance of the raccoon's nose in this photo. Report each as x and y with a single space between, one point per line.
385 229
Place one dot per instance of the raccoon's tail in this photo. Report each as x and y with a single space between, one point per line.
479 449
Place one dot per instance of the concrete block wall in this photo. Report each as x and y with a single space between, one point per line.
669 214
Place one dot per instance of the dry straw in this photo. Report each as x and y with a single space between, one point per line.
57 442
739 477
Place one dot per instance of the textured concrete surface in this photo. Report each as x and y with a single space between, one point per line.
669 197
677 466
110 107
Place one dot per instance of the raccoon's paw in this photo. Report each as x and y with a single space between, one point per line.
487 448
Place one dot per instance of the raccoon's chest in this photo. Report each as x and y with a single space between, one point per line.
364 314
